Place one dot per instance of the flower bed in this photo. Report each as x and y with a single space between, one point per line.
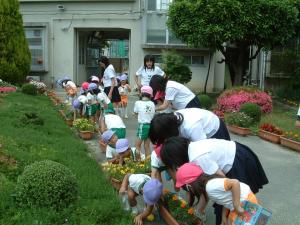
270 132
231 100
290 140
179 210
7 89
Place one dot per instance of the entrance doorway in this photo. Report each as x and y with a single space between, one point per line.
93 43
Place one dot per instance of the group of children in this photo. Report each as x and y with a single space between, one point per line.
192 145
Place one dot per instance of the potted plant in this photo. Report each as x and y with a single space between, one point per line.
85 128
175 211
238 123
270 132
117 172
69 116
291 140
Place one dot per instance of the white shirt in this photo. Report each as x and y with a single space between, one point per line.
92 99
123 90
156 161
113 121
147 74
145 110
136 181
110 152
218 193
212 154
102 98
108 74
198 124
178 94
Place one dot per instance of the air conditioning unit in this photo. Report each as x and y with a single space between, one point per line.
36 78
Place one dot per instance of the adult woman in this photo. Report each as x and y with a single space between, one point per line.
193 123
175 93
109 81
145 73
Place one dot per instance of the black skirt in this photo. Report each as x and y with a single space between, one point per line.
247 168
222 132
194 103
115 97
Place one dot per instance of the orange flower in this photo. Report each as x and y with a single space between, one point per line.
174 198
191 211
295 135
166 191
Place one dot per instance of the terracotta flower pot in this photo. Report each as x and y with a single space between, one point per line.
69 122
239 130
115 183
275 138
169 219
86 135
295 145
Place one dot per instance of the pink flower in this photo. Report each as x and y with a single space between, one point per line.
7 89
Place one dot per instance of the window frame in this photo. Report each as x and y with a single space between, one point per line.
43 27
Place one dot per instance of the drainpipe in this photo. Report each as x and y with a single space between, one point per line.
52 56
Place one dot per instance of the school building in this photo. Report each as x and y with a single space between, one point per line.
67 37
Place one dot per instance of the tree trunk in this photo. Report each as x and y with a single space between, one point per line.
237 59
208 70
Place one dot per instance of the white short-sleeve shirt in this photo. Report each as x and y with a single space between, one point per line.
113 121
92 99
198 124
178 94
123 90
147 74
108 74
110 152
217 192
102 98
212 154
145 111
136 181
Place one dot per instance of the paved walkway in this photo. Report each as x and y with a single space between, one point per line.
282 166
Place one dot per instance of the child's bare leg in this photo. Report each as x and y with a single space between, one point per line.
138 145
125 110
147 147
131 197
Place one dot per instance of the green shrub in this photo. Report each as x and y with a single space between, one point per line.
175 67
252 110
29 89
238 119
83 124
46 184
31 118
15 55
206 101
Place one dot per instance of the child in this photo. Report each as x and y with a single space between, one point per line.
124 89
108 140
112 122
141 184
124 151
224 191
145 109
93 105
104 101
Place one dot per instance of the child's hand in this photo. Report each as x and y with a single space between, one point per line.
240 211
138 220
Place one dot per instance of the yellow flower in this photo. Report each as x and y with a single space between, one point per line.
296 135
183 205
174 198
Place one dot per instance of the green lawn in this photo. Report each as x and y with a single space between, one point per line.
22 145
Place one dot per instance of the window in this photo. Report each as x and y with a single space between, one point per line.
37 45
194 60
156 28
158 5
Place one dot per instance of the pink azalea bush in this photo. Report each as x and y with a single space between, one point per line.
231 100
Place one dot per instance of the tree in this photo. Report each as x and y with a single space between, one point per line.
232 26
175 67
14 51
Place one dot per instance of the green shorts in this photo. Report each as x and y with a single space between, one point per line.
120 132
91 110
143 131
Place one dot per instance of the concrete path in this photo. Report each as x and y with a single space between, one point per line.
282 166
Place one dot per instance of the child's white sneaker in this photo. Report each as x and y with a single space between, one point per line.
126 117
